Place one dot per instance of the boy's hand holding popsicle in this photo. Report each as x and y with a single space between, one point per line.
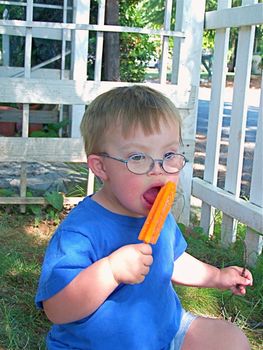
131 263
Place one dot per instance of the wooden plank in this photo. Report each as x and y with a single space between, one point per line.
45 149
99 42
243 211
37 117
23 4
215 118
5 43
165 41
41 33
186 72
25 117
238 121
80 40
256 195
41 73
187 52
234 17
47 6
63 61
40 65
254 242
254 246
55 149
36 200
19 90
88 27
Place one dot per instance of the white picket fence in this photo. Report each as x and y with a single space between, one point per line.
228 200
37 84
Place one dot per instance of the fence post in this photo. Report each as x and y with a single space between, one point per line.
186 73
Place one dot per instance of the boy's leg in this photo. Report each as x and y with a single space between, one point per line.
214 334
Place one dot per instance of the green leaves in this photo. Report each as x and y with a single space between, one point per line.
55 199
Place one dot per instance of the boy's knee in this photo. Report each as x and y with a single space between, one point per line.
233 337
240 338
206 333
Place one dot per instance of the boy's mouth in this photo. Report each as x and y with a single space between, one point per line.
150 195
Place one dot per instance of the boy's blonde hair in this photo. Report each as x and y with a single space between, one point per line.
129 107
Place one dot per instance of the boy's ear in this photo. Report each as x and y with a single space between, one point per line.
95 163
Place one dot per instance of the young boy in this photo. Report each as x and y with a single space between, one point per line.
100 286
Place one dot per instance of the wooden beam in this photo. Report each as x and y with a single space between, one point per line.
243 211
36 200
24 4
88 27
20 149
234 17
38 117
20 90
41 73
215 118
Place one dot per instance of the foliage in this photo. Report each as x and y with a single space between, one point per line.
55 199
51 211
50 130
136 50
153 13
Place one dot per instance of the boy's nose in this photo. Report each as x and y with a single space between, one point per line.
157 168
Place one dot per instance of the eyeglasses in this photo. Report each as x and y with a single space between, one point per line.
141 163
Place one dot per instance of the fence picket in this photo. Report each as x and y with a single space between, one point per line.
215 118
254 241
238 124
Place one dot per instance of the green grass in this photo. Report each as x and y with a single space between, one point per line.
246 311
21 251
22 245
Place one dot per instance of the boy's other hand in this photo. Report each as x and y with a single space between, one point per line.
131 263
236 279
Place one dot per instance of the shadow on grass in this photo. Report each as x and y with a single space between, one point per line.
22 247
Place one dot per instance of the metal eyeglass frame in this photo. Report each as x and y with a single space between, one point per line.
159 161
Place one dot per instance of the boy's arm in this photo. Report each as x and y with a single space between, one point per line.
91 287
190 271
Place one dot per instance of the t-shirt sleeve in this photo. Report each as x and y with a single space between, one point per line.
68 253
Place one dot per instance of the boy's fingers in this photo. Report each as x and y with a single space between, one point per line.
145 249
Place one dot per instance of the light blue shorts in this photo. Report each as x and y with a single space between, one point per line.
186 320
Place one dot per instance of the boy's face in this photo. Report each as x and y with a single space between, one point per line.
128 193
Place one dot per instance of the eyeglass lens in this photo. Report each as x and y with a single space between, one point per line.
143 163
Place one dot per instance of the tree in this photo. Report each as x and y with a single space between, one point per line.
112 43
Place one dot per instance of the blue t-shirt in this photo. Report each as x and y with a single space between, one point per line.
143 316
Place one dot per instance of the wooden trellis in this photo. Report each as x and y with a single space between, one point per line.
71 88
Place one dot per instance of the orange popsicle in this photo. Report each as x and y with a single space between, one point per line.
154 222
